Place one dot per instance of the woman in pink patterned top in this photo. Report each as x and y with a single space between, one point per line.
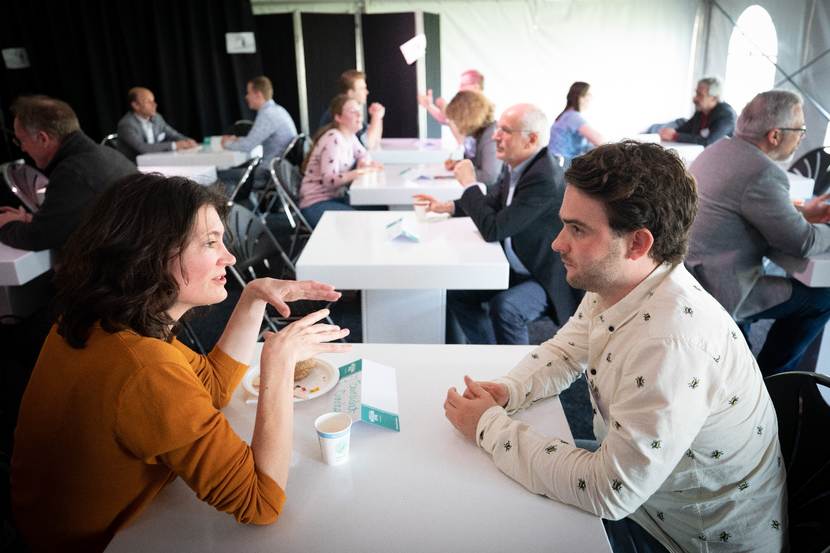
336 159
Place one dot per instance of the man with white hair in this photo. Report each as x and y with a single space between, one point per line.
521 212
713 118
745 211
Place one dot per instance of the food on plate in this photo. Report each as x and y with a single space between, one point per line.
302 369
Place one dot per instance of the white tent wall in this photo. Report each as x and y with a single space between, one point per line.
642 57
635 54
803 30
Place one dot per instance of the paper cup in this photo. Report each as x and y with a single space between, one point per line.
420 209
215 143
333 431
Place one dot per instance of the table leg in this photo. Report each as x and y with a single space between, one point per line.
404 316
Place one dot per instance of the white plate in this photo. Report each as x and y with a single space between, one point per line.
323 377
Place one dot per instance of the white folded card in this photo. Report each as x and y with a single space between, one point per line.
414 48
397 229
368 391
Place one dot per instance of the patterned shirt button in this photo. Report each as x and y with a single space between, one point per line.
593 371
610 329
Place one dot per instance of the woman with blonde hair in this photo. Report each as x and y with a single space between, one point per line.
470 115
336 158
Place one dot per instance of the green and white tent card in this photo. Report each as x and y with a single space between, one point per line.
368 391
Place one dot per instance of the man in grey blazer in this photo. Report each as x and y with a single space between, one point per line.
746 211
143 130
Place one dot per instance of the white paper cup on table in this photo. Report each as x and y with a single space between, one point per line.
420 209
333 432
215 143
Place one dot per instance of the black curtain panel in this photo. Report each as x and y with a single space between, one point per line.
275 42
329 49
432 30
392 82
90 53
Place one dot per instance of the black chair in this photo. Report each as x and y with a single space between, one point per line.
803 427
296 150
243 190
815 165
286 177
269 195
259 254
241 127
24 182
112 141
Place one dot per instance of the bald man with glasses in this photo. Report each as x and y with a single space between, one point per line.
521 211
745 212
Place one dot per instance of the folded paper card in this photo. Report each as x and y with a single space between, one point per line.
414 48
397 229
368 391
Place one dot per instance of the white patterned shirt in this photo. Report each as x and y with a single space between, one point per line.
689 437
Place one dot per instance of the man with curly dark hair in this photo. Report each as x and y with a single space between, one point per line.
688 456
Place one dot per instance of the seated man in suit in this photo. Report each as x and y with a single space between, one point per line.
713 118
143 130
78 169
352 83
521 212
746 211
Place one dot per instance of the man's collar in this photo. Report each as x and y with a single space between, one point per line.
141 118
621 311
519 169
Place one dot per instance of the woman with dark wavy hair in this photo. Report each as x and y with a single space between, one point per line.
117 407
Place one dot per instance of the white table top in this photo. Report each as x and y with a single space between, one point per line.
801 188
811 271
687 152
203 174
349 250
20 266
396 184
424 488
411 150
201 156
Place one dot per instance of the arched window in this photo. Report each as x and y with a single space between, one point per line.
752 45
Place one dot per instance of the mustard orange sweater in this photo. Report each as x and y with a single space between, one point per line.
102 429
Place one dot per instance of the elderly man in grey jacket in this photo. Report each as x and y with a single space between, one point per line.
745 212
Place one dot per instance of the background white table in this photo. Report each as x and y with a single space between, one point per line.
801 188
411 150
687 152
21 279
203 174
201 156
396 184
404 283
425 488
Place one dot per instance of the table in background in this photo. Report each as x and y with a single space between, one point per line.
396 184
22 279
404 283
687 152
201 156
801 188
424 488
203 174
411 150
